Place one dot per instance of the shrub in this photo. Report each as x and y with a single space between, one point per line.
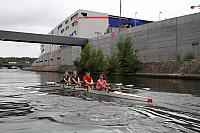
188 57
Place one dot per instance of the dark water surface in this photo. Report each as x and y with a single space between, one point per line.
175 107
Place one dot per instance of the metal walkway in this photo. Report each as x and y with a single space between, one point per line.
41 38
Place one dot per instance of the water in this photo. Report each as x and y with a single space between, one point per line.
175 107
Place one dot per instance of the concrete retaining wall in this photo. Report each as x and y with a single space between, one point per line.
158 41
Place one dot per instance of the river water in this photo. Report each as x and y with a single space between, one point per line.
175 107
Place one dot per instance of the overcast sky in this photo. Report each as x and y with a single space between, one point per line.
40 16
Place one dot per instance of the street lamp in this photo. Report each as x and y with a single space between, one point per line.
135 18
159 15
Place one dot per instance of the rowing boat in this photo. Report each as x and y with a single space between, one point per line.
96 94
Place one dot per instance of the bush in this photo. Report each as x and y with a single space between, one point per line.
188 57
178 57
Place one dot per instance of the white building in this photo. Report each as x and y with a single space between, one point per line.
82 23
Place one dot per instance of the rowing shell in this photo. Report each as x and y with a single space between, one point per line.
94 94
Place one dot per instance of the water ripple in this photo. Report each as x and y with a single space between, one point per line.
8 109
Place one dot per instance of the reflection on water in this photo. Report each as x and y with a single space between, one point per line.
162 84
24 108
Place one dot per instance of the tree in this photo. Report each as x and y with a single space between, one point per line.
90 60
84 57
3 61
128 61
96 62
124 61
112 63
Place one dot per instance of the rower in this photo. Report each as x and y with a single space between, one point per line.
102 83
75 80
88 81
66 78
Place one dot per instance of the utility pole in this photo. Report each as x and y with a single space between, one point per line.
135 18
159 15
120 14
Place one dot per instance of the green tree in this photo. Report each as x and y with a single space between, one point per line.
128 61
90 60
188 57
96 62
112 63
3 61
82 61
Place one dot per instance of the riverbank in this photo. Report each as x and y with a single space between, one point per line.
171 69
59 69
168 69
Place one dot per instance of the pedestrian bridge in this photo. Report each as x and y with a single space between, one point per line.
41 38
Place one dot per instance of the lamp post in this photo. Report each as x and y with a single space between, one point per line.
159 15
135 18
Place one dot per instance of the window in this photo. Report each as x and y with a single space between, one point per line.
67 28
62 30
72 34
66 22
84 14
75 16
75 23
60 26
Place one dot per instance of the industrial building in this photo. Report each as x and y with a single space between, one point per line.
154 41
84 24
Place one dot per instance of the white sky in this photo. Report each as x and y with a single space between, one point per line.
41 16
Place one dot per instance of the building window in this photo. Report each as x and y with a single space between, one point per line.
60 26
84 14
62 30
67 28
72 34
75 23
66 22
75 16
